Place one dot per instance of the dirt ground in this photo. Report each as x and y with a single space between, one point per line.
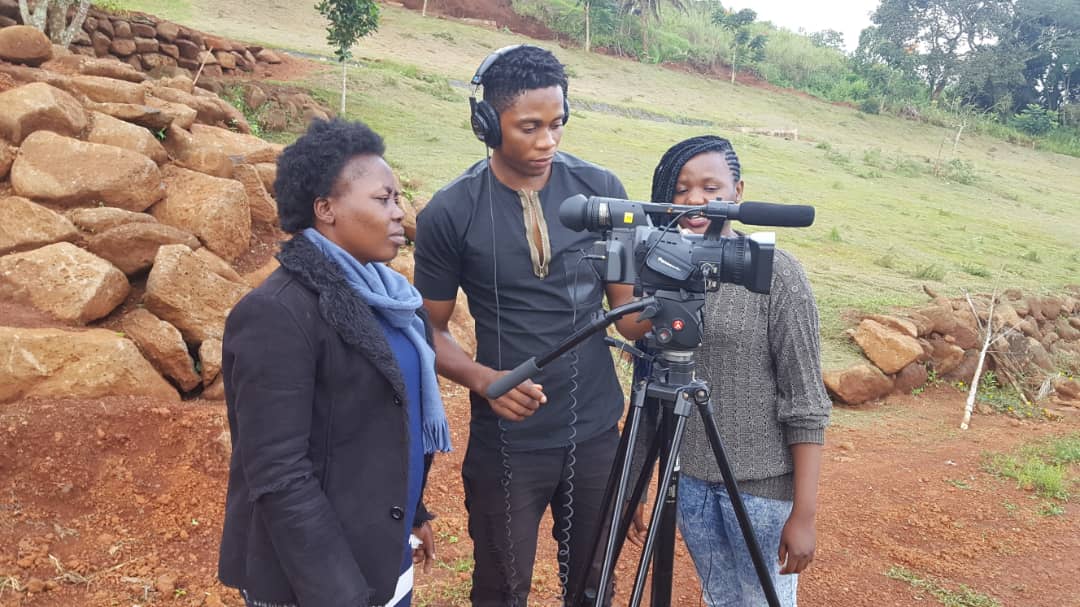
119 501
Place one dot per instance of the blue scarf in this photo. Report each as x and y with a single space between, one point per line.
391 295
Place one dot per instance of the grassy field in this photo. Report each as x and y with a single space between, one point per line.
993 214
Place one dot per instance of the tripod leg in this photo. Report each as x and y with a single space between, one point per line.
613 508
664 561
737 504
682 409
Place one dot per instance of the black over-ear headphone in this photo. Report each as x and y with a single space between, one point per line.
484 118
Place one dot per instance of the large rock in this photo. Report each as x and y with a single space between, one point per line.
24 44
902 325
965 370
110 131
210 109
180 114
1066 330
7 158
887 348
162 344
183 290
1005 315
267 173
132 247
57 363
107 90
218 265
65 171
910 377
946 355
268 56
246 147
106 67
28 226
99 219
858 384
63 280
210 161
213 209
210 360
39 107
148 116
256 277
263 208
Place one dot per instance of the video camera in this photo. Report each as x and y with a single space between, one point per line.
642 246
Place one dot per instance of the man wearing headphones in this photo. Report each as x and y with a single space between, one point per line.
495 233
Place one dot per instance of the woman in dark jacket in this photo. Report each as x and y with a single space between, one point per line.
333 403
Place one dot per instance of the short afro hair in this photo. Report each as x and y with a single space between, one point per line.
309 168
521 69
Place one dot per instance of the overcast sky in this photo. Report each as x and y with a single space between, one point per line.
846 16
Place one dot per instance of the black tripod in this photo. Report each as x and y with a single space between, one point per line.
676 333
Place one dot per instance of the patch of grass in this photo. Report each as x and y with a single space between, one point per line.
234 94
888 260
169 9
447 36
1032 256
1051 509
928 272
451 592
959 484
962 596
834 235
975 269
1003 399
1047 467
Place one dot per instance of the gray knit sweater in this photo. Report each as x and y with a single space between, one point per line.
761 359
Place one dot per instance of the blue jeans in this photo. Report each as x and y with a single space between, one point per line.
712 534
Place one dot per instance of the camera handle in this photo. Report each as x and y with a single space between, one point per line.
531 367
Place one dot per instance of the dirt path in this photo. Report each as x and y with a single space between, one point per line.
119 502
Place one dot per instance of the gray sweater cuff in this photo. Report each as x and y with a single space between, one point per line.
795 435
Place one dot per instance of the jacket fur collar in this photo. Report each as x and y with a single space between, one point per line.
340 306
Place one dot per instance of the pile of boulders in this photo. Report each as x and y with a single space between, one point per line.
1038 338
143 41
127 205
126 202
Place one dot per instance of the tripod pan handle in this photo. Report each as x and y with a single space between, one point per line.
507 382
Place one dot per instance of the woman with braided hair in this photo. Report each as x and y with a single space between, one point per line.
761 358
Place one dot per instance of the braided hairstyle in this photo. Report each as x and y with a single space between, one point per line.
666 175
522 69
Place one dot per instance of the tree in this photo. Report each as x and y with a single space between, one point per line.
646 10
350 20
828 38
934 36
50 16
587 7
744 41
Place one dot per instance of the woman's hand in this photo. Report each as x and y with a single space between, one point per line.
797 542
425 552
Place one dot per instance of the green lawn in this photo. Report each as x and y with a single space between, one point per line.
999 215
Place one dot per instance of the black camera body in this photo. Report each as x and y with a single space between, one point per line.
641 245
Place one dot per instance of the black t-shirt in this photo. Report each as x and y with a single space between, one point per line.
458 245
